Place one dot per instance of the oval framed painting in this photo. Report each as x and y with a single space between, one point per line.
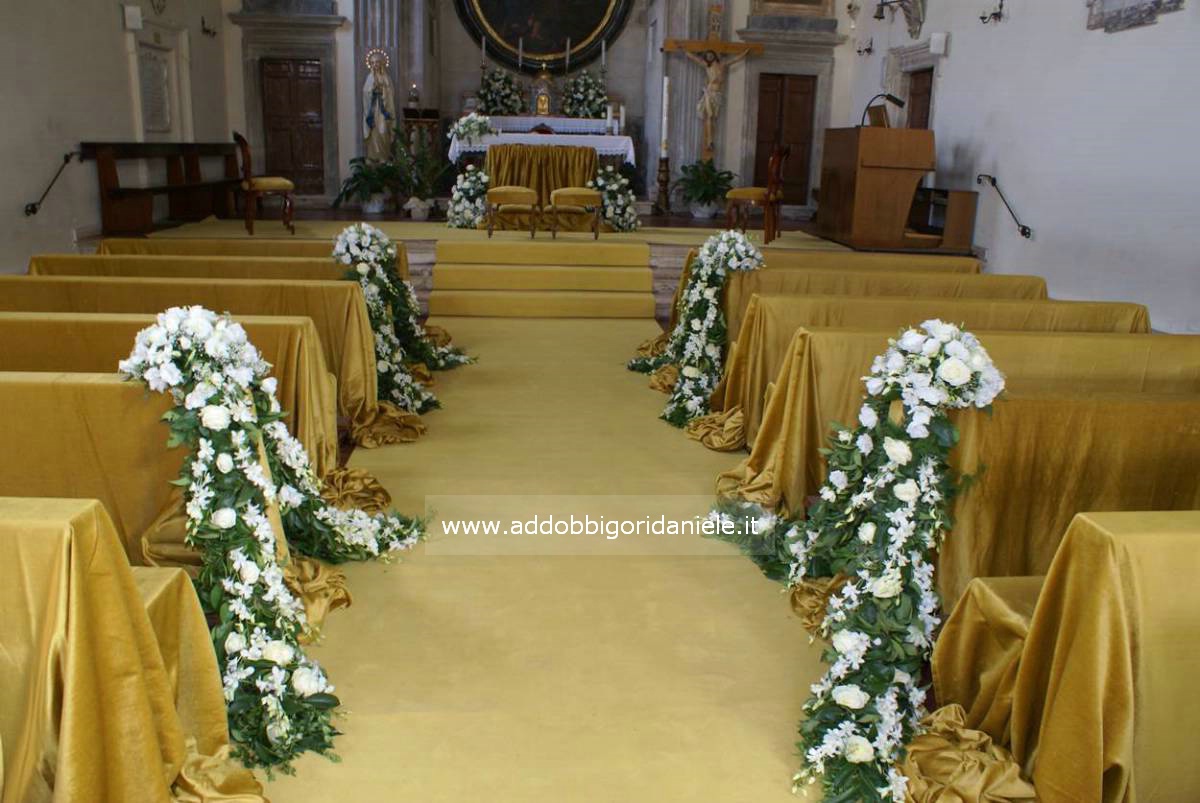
536 31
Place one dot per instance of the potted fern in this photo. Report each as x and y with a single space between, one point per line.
703 187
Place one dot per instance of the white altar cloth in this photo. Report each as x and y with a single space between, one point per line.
523 124
603 145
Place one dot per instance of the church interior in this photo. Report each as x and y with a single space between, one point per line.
599 400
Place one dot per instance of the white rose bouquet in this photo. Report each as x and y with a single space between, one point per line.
468 199
617 200
584 95
499 93
697 343
470 128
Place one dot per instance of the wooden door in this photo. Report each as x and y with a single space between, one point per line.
293 128
785 117
920 98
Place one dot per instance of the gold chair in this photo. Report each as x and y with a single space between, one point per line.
511 200
575 201
770 198
254 187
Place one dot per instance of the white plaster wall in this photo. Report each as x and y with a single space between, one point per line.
1092 136
64 78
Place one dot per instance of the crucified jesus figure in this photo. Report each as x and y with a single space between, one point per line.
709 106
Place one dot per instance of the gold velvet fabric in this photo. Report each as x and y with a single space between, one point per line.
542 168
778 258
95 342
575 196
510 195
951 763
231 247
1011 314
93 706
758 194
268 184
336 308
1101 702
740 286
186 267
97 437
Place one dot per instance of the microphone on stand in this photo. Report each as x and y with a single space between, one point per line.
895 101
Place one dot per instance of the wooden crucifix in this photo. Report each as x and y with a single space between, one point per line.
714 55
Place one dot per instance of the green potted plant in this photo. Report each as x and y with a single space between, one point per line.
425 168
703 187
368 183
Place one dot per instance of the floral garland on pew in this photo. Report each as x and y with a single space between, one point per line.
617 200
279 701
696 345
392 305
882 513
584 95
468 199
499 93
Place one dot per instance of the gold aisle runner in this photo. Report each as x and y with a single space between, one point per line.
526 676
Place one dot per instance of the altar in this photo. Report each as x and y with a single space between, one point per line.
605 145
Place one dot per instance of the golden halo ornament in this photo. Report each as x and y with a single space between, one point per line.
373 57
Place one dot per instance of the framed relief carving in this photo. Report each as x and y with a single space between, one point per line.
792 8
1119 15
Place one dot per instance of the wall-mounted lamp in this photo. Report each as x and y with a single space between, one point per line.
995 15
867 49
207 31
882 4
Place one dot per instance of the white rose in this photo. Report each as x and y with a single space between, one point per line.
224 463
898 451
307 681
858 750
235 642
931 347
690 371
867 417
846 640
907 491
269 384
214 417
943 331
911 341
249 572
954 372
224 518
277 731
850 696
874 386
697 324
278 652
956 349
888 584
838 479
866 533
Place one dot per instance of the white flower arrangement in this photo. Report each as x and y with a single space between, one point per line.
617 200
370 258
584 95
499 93
471 128
468 199
882 513
696 345
280 703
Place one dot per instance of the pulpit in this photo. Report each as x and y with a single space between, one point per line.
869 181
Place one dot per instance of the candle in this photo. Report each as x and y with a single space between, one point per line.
603 54
621 127
608 118
520 52
483 51
567 68
666 104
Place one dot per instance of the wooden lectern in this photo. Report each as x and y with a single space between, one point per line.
869 180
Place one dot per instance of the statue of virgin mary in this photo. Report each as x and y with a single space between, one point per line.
379 108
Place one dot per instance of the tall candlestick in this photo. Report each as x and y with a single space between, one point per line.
567 68
520 52
666 105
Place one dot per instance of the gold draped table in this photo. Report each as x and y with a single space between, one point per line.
111 690
1088 675
336 308
94 436
96 342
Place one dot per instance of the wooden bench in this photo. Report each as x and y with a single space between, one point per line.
130 210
